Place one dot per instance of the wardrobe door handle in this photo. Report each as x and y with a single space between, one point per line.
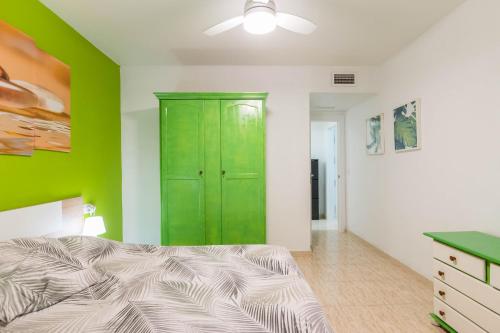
223 172
200 173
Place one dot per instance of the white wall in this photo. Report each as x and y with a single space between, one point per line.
453 183
288 164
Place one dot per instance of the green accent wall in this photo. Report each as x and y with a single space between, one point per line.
93 168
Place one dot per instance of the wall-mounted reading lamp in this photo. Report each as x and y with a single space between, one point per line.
94 225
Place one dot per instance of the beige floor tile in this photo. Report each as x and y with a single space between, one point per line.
362 289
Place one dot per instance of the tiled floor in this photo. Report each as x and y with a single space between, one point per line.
324 225
362 289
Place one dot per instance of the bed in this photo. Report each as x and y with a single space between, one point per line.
87 284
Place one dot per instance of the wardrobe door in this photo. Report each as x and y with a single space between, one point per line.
243 176
211 114
182 164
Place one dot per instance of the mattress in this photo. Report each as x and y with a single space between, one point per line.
145 288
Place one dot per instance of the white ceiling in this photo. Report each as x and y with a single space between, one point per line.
162 32
336 101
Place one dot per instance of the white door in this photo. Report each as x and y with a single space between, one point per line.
332 174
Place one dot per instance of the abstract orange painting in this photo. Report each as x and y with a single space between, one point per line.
35 94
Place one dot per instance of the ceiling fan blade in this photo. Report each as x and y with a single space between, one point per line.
295 23
225 26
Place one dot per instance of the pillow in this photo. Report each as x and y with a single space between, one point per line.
36 273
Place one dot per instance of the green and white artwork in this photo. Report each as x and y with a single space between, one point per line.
375 135
407 127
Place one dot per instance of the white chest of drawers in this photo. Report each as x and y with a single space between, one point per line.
466 277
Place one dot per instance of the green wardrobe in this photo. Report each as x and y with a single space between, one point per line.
213 168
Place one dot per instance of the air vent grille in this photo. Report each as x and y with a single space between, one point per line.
344 79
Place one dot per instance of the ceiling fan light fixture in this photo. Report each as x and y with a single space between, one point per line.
261 17
260 20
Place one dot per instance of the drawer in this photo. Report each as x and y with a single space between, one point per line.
458 322
475 312
475 289
495 275
467 263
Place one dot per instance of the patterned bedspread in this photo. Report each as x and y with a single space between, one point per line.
144 288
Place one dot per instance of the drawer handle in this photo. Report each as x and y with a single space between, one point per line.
441 313
442 293
453 258
441 273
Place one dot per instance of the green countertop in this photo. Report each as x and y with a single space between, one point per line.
476 243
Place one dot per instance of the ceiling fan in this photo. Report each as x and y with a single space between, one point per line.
260 17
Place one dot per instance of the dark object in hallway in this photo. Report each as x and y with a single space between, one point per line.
315 189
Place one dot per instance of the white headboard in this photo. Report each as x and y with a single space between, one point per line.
54 219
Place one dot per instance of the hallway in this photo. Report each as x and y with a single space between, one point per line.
364 290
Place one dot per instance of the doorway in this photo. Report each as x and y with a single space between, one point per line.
327 107
324 175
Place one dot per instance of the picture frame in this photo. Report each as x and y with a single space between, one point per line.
407 127
35 97
375 135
